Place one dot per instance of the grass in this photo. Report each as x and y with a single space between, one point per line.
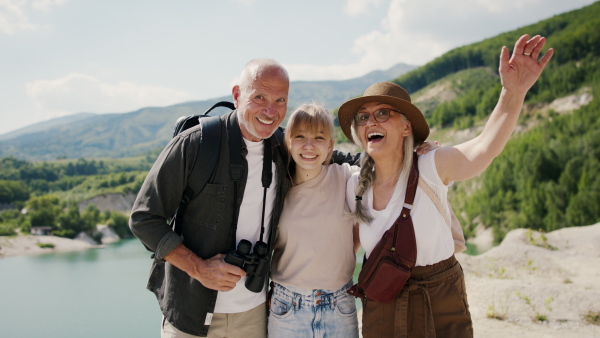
541 240
500 313
592 317
537 316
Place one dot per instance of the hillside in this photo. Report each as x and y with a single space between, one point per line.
139 132
548 176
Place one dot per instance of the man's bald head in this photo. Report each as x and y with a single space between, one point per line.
261 67
260 98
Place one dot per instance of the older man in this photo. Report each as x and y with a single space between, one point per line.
199 294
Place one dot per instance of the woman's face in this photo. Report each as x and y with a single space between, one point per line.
310 149
383 139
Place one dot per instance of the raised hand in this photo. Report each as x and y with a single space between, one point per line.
519 71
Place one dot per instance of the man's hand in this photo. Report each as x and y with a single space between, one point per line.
213 273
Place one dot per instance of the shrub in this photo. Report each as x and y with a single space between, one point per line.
7 230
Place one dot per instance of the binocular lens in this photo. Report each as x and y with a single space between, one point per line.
244 246
260 249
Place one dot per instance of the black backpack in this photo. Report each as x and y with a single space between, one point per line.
202 170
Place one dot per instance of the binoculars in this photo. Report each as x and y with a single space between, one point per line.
255 264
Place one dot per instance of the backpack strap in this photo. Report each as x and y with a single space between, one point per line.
452 221
186 122
427 189
204 166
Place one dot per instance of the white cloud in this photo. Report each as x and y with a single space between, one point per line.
246 2
357 7
45 4
83 93
415 32
13 17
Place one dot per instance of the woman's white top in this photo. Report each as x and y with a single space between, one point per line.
433 235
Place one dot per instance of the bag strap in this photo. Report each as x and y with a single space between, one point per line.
410 255
451 220
434 198
402 233
204 165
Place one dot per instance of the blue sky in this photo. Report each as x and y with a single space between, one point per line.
60 57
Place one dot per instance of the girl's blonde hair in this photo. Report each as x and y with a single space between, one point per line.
311 118
367 171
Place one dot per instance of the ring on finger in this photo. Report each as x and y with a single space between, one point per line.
526 53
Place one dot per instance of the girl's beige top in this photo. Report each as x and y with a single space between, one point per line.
314 247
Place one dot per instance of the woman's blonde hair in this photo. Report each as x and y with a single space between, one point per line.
311 118
367 170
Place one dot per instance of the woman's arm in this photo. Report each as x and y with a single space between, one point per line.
518 73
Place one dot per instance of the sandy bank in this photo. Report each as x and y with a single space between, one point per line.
28 245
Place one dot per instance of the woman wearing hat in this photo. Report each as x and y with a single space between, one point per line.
388 127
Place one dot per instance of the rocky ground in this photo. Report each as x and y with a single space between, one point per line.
537 285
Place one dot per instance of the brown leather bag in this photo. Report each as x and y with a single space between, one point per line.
389 266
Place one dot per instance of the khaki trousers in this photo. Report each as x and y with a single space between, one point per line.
433 303
249 324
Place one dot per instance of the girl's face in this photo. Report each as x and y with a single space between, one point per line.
383 138
310 149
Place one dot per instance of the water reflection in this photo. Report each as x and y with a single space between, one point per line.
91 293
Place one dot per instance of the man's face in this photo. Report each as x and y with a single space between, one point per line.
261 104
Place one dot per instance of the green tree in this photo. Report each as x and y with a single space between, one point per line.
13 191
120 224
70 222
44 210
90 217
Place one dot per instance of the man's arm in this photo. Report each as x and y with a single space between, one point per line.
159 198
155 204
340 157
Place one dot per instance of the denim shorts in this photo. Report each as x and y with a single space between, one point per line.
312 313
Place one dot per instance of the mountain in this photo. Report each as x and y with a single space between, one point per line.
45 125
547 177
146 129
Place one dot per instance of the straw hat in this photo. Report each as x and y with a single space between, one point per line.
388 93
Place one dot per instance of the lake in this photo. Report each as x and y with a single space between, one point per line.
91 293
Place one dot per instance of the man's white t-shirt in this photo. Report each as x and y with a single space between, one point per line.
240 299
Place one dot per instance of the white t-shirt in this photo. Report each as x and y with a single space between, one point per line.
433 236
240 299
